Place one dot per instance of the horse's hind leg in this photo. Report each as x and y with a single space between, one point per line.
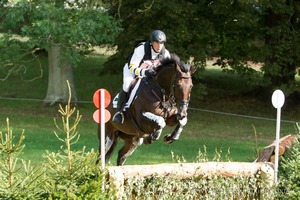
130 144
111 140
110 145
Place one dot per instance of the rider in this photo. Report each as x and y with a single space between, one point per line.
144 57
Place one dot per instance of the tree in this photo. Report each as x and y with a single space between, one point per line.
267 32
175 18
67 30
282 43
234 31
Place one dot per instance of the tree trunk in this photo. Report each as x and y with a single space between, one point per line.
59 72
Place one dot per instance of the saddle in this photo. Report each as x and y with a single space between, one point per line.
136 86
133 93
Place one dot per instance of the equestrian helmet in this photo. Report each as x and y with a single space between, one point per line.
158 36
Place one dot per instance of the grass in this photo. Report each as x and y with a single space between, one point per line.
215 131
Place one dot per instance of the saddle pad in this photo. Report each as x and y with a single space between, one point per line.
132 95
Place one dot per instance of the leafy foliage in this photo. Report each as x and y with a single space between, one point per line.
236 32
67 174
18 179
73 174
27 26
212 187
201 187
289 176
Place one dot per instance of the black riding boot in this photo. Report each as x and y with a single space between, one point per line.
119 117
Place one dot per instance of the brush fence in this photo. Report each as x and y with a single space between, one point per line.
117 175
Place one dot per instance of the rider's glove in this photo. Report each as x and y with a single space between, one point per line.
149 72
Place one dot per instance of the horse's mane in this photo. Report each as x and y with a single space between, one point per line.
174 59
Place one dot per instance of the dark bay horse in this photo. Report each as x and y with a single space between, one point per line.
159 101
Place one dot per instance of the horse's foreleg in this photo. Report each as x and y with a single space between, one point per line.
176 133
129 146
158 124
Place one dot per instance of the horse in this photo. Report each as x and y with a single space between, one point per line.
159 100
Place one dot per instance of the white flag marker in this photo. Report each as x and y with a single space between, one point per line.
277 101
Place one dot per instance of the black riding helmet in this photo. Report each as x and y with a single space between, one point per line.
158 36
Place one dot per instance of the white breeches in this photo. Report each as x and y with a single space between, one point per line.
127 78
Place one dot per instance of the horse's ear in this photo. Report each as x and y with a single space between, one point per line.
193 69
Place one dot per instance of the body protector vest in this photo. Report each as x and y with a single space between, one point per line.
147 49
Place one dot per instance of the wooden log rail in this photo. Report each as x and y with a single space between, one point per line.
118 174
268 153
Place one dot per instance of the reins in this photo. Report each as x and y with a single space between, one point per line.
169 102
162 98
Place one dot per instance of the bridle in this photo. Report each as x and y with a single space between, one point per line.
184 103
168 102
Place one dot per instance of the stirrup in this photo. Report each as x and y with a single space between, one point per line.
118 117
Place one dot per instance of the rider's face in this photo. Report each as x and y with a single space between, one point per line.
157 46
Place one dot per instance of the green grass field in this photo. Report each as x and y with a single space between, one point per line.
209 125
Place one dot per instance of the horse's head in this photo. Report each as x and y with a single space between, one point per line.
182 87
180 83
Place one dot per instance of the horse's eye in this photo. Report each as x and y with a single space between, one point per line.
179 85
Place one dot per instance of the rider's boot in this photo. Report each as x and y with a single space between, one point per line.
119 117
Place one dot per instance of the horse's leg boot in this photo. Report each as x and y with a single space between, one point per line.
119 117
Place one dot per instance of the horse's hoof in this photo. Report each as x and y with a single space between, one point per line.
168 139
148 140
